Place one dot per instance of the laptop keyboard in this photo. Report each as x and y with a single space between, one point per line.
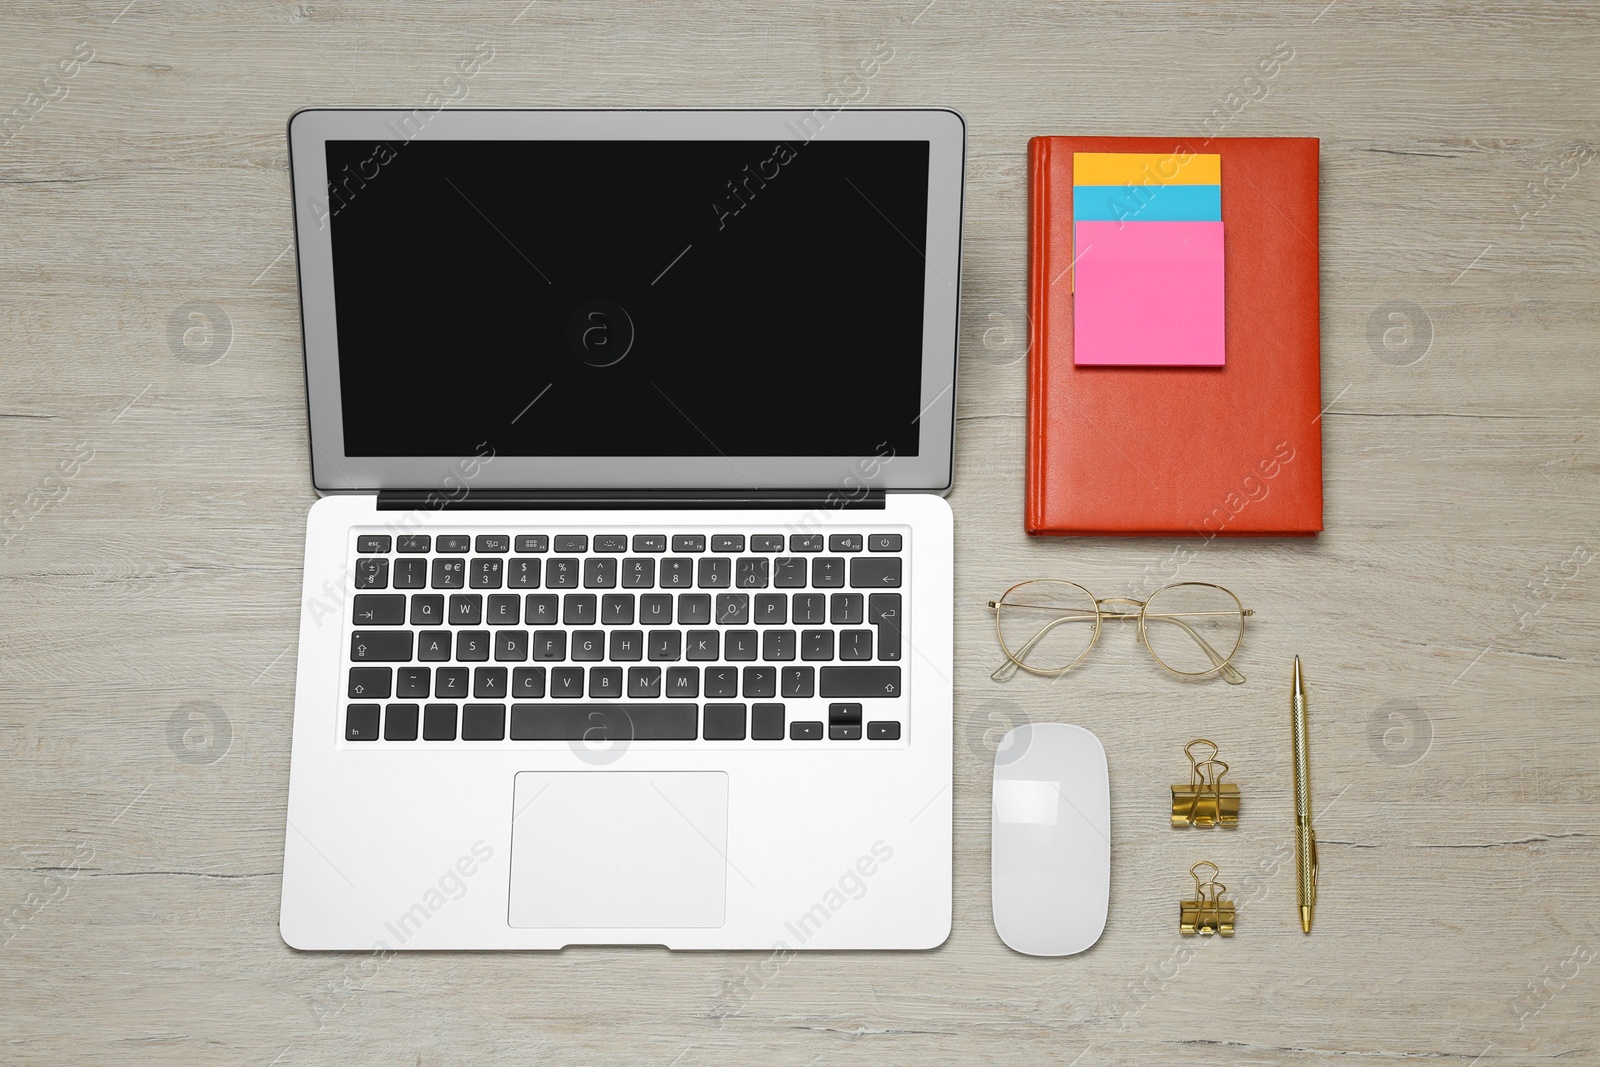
602 636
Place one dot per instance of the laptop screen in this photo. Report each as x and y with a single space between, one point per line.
629 298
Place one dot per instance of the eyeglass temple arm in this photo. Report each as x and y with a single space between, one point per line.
1013 663
1224 668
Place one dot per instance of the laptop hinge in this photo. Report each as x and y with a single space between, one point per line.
628 499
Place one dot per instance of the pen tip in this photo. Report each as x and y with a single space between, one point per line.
1305 919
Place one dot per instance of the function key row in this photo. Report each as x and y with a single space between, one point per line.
418 544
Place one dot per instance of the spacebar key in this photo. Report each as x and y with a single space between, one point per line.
605 722
859 682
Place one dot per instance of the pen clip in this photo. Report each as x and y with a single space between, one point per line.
1313 899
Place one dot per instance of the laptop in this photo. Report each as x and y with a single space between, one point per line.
627 601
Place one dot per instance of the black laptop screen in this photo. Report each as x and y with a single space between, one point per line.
617 298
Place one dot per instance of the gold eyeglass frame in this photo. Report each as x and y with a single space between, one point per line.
1222 664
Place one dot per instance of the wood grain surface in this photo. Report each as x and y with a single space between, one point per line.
155 482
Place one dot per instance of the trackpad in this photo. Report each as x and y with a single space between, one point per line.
619 850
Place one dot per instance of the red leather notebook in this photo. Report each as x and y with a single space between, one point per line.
1183 450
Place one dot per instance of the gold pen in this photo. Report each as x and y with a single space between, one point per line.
1305 843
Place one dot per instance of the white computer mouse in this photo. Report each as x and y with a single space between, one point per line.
1050 843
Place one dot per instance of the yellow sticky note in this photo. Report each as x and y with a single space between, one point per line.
1140 168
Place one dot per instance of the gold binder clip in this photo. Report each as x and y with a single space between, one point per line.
1207 800
1207 913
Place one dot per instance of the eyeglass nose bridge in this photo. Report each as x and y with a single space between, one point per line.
1128 601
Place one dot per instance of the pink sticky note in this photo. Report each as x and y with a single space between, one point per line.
1148 294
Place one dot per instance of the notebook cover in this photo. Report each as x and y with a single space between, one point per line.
1198 451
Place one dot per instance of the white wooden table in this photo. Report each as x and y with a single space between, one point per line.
155 485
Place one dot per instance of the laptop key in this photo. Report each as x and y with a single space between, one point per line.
847 609
566 682
489 683
855 644
611 543
766 722
380 646
466 609
627 646
380 609
427 609
694 609
610 722
655 609
638 573
453 543
372 573
805 542
715 573
413 543
472 646
605 682
505 609
789 572
550 645
772 609
883 731
372 543
533 543
805 731
883 612
561 574
724 722
827 572
844 542
844 722
816 644
649 542
777 645
486 573
577 609
644 682
588 645
492 543
798 682
572 542
523 573
433 645
410 573
677 573
400 722
664 646
810 609
740 645
450 683
370 683
761 681
361 722
439 722
599 573
688 542
752 572
766 542
510 646
616 609
858 681
683 683
722 682
876 573
702 645
449 573
733 609
527 683
883 542
539 609
413 682
483 722
727 542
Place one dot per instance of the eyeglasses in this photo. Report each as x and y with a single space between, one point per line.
1047 627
